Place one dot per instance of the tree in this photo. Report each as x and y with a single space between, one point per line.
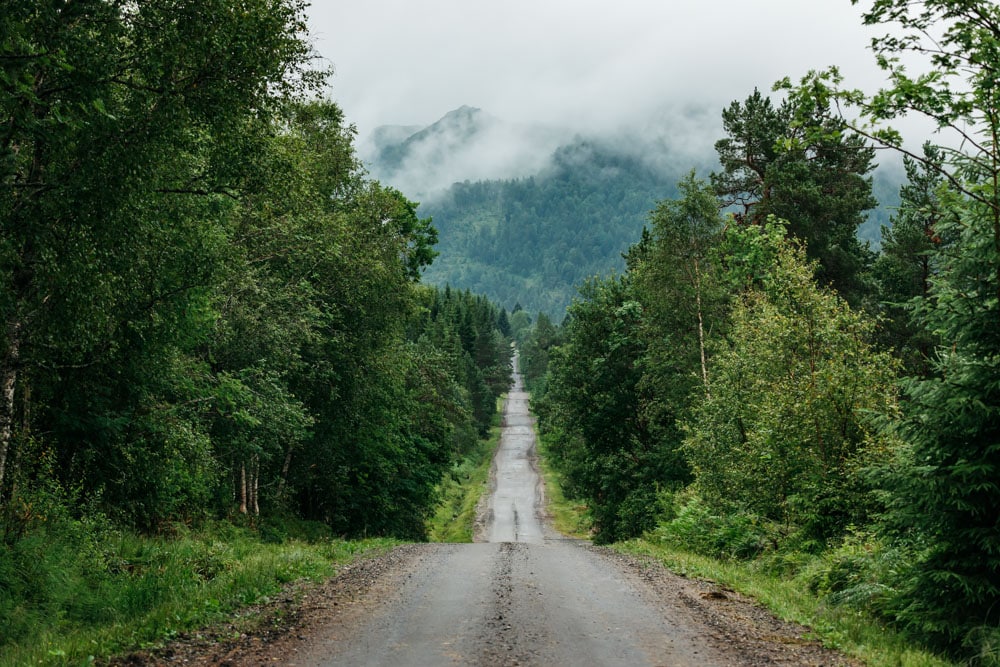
818 182
675 278
907 263
634 356
947 498
949 494
535 354
592 412
754 128
124 124
781 435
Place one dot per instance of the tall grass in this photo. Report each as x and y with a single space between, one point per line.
461 490
75 591
838 626
570 517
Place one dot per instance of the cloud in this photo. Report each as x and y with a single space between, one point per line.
467 144
580 64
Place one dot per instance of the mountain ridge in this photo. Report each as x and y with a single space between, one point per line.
529 231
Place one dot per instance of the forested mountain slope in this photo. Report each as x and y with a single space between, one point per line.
534 240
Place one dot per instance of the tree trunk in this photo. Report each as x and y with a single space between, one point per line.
283 479
254 485
243 488
701 329
8 380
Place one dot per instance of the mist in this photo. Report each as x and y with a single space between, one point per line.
580 65
466 144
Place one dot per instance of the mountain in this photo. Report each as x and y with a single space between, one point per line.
525 214
385 137
532 241
436 143
465 144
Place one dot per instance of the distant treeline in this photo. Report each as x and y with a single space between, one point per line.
533 241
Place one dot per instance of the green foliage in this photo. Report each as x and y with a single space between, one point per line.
532 241
208 308
948 492
677 282
782 433
128 132
907 263
76 588
817 179
726 535
944 494
855 632
597 439
460 492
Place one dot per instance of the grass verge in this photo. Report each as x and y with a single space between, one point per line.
460 490
70 595
570 517
840 627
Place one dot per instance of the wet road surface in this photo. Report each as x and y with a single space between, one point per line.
526 597
514 513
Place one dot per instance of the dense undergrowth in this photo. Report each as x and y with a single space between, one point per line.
461 490
569 516
793 585
73 591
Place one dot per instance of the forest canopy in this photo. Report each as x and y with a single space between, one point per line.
208 308
758 385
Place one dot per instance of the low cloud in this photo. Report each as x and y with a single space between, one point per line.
582 65
476 146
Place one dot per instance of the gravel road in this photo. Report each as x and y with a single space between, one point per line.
524 595
528 596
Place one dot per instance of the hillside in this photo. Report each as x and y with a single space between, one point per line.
526 214
532 241
464 144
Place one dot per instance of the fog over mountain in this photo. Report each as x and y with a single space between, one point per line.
465 144
470 144
527 212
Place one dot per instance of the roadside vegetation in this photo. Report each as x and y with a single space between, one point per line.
762 399
570 516
794 586
793 596
78 590
462 488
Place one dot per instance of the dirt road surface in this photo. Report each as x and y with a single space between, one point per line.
525 596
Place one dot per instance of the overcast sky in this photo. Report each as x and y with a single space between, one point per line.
581 64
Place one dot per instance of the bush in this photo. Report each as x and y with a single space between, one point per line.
727 536
858 573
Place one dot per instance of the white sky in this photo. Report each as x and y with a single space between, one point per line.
581 64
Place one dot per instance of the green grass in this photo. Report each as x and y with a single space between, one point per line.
460 491
569 517
837 626
73 593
